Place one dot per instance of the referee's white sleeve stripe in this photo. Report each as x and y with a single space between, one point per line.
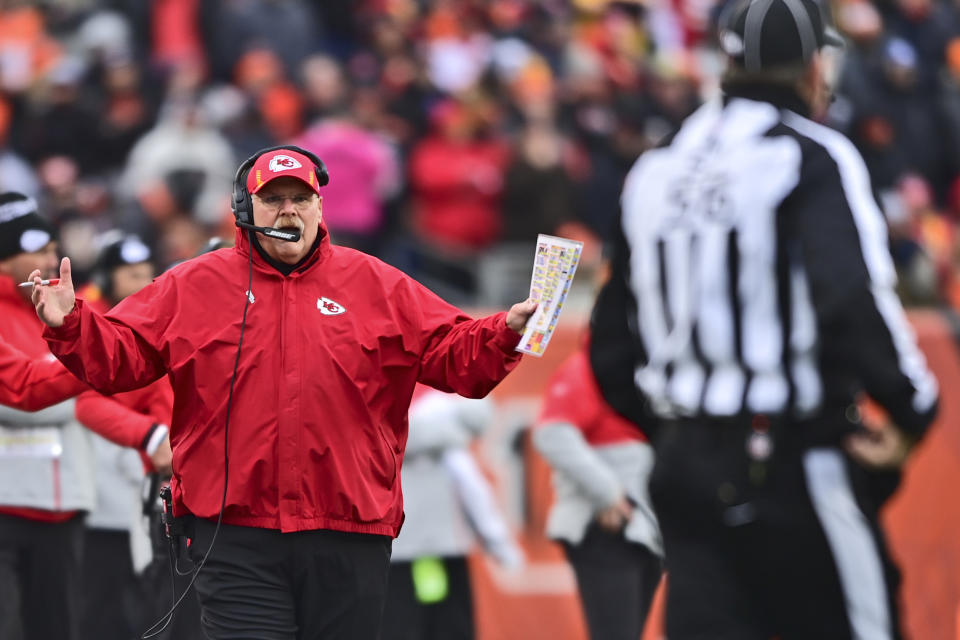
873 243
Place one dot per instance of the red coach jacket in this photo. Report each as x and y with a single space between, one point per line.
125 418
31 384
330 357
30 379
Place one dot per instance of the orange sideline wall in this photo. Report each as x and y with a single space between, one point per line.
922 521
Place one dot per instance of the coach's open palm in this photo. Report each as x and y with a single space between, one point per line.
54 302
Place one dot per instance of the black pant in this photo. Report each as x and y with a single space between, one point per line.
309 585
113 599
616 579
785 547
406 618
163 585
40 579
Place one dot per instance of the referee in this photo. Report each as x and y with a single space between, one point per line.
754 280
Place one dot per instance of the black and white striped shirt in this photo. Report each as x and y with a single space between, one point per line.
755 277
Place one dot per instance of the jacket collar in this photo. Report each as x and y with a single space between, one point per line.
318 253
781 97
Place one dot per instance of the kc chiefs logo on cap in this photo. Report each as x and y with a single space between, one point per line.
282 162
285 163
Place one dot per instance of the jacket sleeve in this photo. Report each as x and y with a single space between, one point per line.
114 421
478 501
108 353
55 414
461 355
566 450
842 238
30 384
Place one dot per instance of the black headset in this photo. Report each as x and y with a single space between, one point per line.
242 203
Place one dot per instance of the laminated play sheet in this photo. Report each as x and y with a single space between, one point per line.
554 264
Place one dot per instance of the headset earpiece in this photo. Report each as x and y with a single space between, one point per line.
241 201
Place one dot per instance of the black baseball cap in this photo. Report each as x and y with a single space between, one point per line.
769 34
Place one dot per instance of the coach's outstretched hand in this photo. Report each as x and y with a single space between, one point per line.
520 313
53 302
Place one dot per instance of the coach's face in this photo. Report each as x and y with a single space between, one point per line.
288 203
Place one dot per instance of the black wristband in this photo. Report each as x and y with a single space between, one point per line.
146 439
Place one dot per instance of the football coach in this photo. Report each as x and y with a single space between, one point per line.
293 361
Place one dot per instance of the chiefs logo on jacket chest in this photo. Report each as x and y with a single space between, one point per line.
329 308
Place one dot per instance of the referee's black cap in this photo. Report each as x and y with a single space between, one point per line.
769 34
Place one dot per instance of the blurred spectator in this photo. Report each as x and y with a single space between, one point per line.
78 208
538 193
60 122
672 96
324 86
908 102
367 174
949 90
587 111
117 546
16 174
26 49
182 141
927 25
46 475
601 513
346 134
456 176
458 47
103 36
289 28
126 112
260 73
176 32
448 506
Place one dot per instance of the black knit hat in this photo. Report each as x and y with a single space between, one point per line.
22 229
770 34
120 251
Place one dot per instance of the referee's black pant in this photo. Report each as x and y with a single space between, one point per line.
787 547
311 585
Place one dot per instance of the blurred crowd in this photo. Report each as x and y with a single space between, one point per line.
454 130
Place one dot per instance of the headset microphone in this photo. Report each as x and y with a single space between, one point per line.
289 235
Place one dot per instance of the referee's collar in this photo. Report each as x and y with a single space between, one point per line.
778 96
